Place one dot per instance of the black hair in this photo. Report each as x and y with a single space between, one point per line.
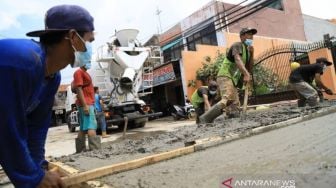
53 38
95 88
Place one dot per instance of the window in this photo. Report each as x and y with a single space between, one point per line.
276 5
205 36
174 52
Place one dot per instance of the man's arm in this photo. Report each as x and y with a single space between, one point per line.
81 98
101 103
249 64
321 85
207 105
241 67
15 156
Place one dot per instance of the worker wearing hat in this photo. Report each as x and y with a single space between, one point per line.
203 97
238 63
29 79
301 80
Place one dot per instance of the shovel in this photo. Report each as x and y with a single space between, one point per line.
247 86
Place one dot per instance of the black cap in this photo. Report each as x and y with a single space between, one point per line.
323 60
213 85
248 30
63 18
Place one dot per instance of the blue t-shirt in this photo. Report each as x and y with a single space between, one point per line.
26 101
98 107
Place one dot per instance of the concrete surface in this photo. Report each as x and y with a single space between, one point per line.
303 155
61 142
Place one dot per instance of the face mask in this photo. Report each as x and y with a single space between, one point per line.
248 42
87 66
82 58
212 92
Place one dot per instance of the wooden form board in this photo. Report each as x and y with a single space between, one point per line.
107 170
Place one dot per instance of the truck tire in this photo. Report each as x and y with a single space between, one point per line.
139 123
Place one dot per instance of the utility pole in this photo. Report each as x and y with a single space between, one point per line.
158 12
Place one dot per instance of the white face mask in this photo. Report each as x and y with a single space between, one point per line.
212 92
82 58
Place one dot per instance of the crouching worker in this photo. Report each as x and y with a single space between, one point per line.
301 80
85 102
203 97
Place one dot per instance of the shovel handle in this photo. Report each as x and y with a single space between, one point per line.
245 97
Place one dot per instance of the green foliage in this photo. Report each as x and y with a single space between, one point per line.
191 83
210 68
265 81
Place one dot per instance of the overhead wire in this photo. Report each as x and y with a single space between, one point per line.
257 6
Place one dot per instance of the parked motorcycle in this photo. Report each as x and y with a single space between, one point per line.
183 112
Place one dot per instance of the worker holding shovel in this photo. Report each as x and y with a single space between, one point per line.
238 62
301 80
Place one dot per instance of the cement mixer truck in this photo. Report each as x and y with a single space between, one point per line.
129 66
124 74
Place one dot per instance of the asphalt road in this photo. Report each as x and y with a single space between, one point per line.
301 155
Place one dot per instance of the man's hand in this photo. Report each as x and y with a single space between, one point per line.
247 77
86 109
52 179
329 92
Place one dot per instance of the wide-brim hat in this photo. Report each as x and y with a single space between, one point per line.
323 60
63 18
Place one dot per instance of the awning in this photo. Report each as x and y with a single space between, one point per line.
169 45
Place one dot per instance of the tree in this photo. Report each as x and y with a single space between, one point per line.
210 68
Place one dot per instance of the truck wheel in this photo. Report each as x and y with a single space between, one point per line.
139 125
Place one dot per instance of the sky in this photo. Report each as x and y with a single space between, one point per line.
17 17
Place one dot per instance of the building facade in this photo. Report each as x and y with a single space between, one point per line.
215 26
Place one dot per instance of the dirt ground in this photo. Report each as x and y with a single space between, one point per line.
144 144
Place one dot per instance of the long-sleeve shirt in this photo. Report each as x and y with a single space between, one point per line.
26 100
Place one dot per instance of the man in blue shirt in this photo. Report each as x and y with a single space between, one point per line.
99 105
29 79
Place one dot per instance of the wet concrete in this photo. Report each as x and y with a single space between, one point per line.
143 144
301 155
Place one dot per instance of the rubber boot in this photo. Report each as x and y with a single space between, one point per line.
301 102
105 135
94 142
211 114
313 101
232 111
80 144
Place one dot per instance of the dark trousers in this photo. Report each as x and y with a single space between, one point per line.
199 111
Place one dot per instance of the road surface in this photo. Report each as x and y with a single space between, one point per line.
301 155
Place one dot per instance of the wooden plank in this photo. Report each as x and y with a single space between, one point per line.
124 166
64 169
